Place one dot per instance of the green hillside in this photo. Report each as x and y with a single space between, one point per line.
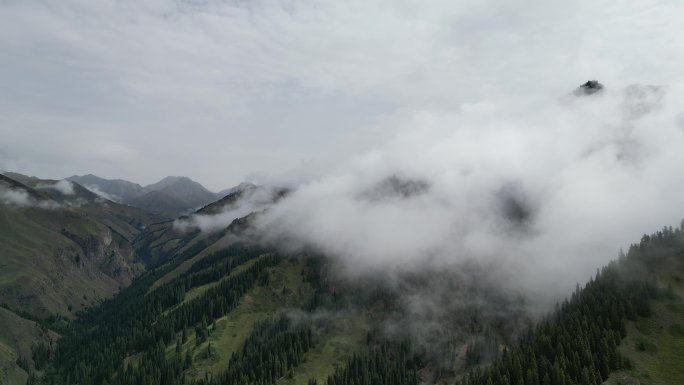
57 260
216 305
17 337
60 251
655 344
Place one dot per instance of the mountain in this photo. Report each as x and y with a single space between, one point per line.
118 190
62 248
62 244
225 306
183 185
245 194
163 238
170 197
591 87
228 191
174 196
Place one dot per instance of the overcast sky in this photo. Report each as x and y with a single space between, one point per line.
224 91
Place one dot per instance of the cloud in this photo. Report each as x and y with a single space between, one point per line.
95 190
64 186
15 197
252 199
542 192
20 198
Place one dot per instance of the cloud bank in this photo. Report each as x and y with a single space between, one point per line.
20 198
64 187
95 190
251 199
543 192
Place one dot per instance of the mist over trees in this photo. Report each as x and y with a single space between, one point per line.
577 343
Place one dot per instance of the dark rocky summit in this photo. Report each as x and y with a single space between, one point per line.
591 87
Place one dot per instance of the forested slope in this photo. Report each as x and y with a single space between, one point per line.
242 313
580 342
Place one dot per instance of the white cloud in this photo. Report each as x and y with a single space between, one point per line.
95 190
542 192
64 186
20 198
251 200
15 197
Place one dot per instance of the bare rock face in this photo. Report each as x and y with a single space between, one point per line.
591 87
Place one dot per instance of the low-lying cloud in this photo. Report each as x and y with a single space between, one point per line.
63 186
543 192
20 198
95 190
251 200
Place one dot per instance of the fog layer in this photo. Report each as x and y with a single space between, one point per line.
540 190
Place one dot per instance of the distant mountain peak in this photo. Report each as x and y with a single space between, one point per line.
175 178
176 181
591 87
242 186
171 196
394 186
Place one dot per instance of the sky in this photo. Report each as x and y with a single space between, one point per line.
227 91
472 100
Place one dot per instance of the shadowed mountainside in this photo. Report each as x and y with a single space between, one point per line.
170 197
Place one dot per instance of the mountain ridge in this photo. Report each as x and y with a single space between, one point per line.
203 306
171 197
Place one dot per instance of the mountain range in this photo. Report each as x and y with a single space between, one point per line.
170 197
93 291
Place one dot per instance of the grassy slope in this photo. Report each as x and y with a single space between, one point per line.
285 290
15 340
258 304
337 342
655 345
43 272
10 373
32 278
171 242
199 290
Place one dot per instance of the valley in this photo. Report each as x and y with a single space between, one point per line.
226 307
293 192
